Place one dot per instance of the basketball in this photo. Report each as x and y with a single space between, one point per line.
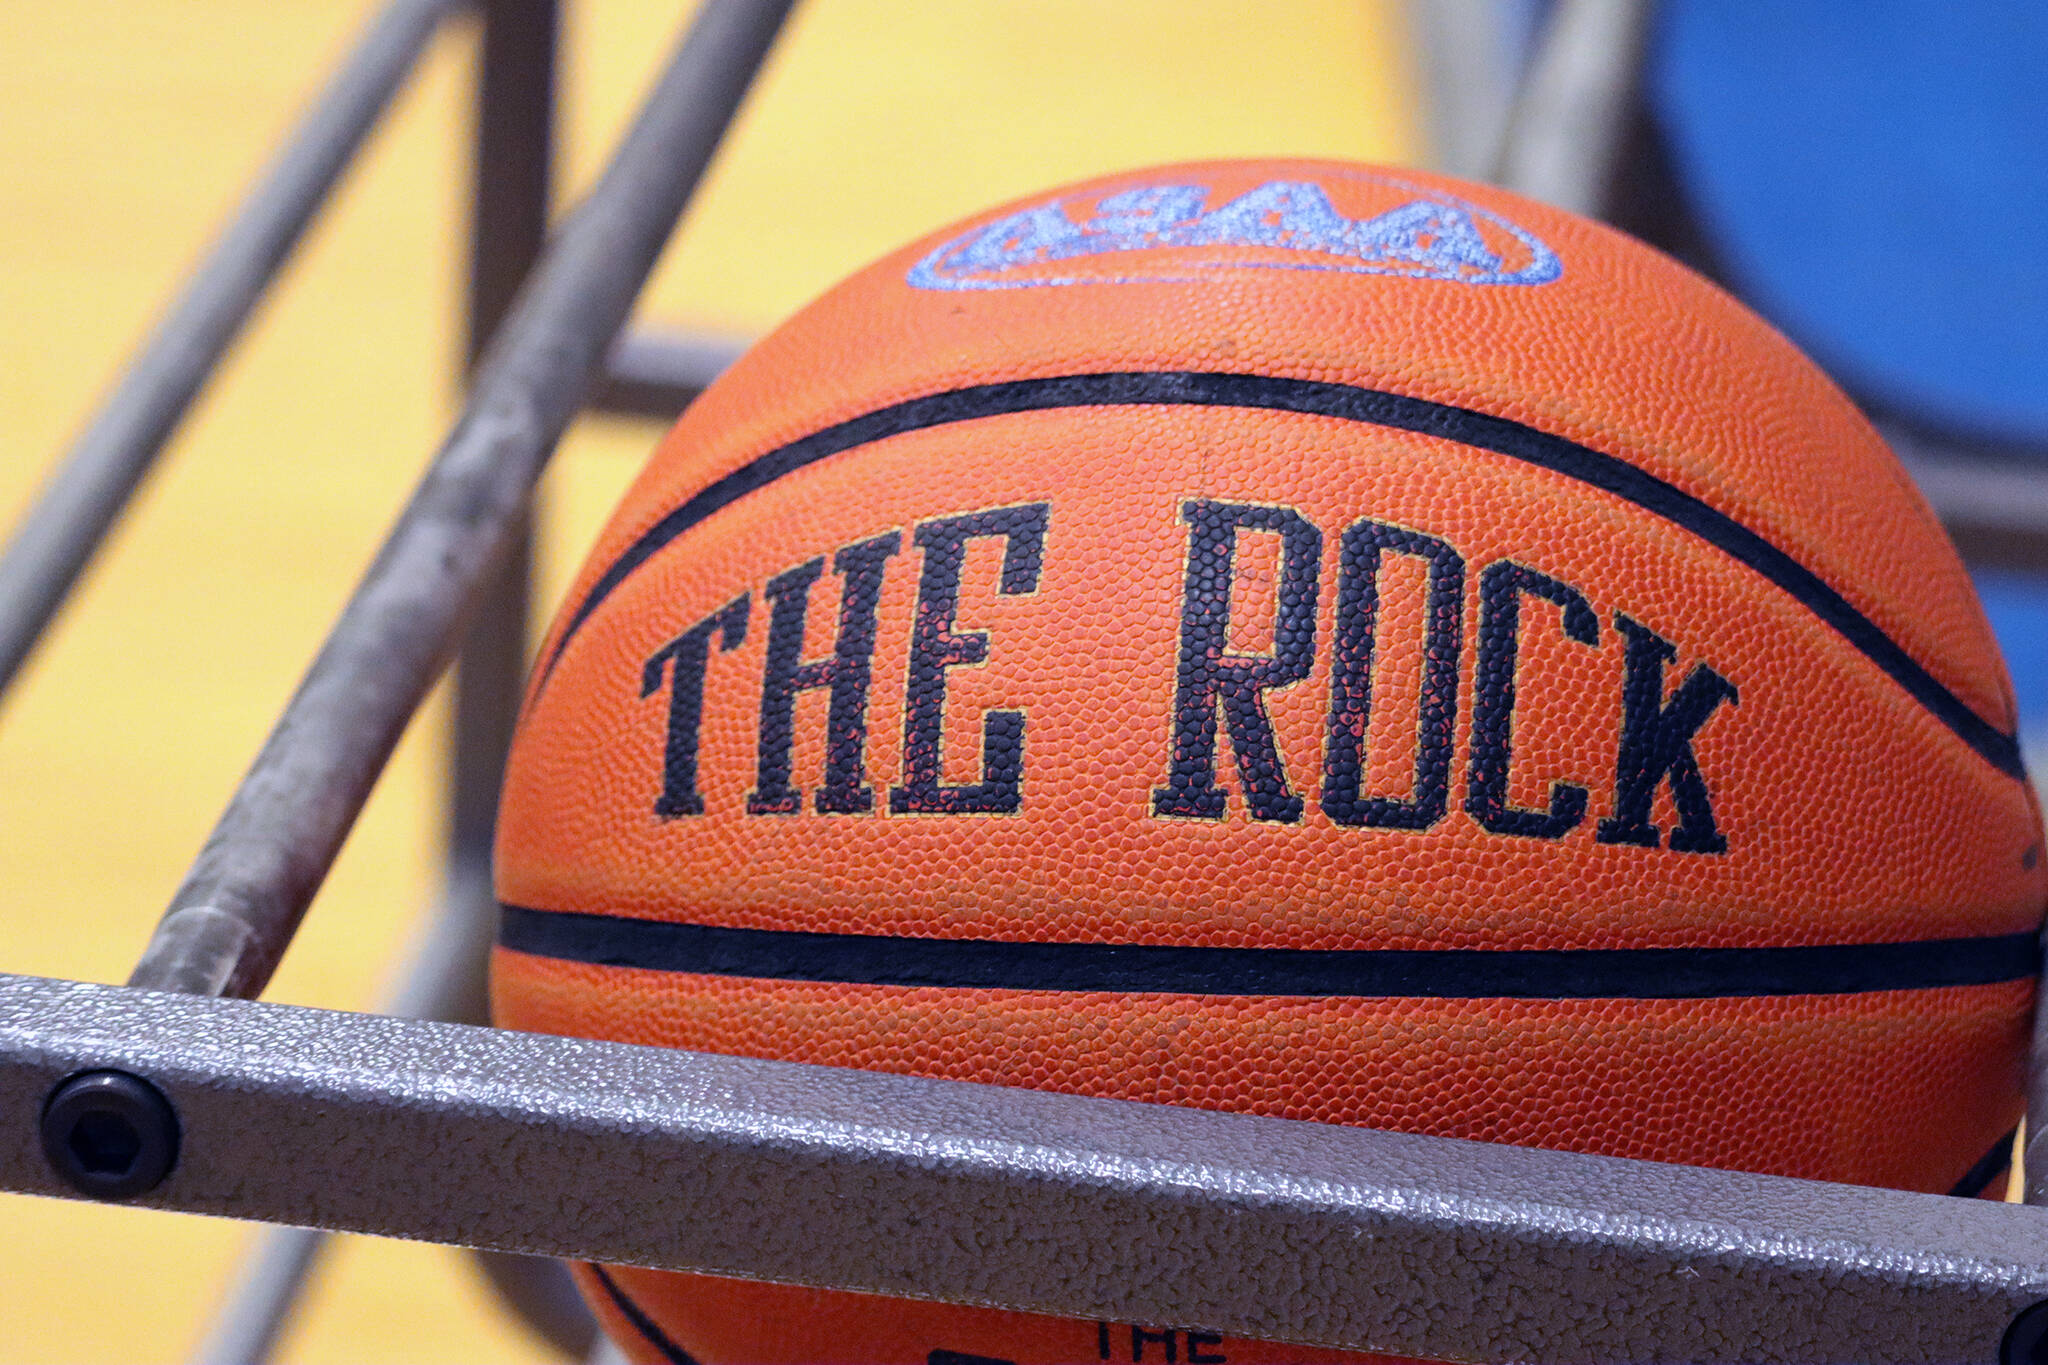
1295 638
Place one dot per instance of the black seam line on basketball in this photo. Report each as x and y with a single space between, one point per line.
635 1314
1452 973
1987 1169
1319 398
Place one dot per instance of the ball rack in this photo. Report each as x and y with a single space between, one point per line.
183 1091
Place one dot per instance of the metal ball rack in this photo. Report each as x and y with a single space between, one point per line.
182 1091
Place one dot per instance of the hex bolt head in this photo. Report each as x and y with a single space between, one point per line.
110 1135
2026 1339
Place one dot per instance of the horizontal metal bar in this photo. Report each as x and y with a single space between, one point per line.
230 921
445 980
655 374
1993 502
56 538
1417 1246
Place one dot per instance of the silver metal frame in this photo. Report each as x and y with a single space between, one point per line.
441 1132
231 920
90 488
1105 1209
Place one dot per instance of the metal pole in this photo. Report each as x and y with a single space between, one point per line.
1994 504
1468 54
508 229
514 163
651 374
513 173
268 1280
57 537
1419 1247
2034 1151
1572 110
229 923
443 981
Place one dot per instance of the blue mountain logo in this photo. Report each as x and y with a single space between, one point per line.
1280 225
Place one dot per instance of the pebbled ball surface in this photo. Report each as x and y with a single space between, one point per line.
1407 601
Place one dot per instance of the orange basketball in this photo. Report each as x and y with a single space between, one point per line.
1288 637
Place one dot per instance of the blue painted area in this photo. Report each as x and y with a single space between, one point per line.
1874 176
1433 236
2018 607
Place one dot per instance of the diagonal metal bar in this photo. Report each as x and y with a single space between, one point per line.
511 174
231 920
56 538
1416 1246
268 1281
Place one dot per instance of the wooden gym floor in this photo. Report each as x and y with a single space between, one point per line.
127 131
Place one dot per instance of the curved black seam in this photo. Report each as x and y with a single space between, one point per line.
1988 1168
1319 398
646 1326
1544 974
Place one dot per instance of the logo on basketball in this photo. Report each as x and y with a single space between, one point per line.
1311 682
1221 694
1361 225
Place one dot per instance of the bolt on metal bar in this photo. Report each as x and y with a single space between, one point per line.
1422 1247
231 920
56 538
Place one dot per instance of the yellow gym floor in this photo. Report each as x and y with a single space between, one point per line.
127 131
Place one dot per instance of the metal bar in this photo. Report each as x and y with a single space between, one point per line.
445 980
1468 52
652 374
2034 1150
544 1294
515 108
508 228
509 221
490 673
514 163
1994 502
272 1272
55 540
1571 113
229 923
1415 1246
